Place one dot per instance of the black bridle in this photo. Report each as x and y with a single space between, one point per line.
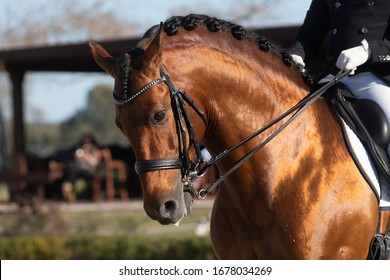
191 169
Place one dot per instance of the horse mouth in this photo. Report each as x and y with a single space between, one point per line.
172 212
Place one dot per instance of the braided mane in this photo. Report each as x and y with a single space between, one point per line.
174 24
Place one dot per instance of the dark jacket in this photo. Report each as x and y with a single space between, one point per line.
348 22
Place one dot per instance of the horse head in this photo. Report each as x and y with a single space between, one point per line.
144 113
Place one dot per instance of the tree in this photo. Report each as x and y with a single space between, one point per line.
54 22
97 118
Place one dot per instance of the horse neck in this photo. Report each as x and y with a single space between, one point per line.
237 94
242 91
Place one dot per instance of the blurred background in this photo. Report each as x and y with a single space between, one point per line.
68 189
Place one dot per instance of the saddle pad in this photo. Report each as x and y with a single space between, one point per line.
366 166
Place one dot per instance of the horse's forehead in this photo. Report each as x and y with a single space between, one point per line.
138 111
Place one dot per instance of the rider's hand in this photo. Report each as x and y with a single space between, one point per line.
298 60
351 58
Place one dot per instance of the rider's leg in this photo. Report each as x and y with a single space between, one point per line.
368 86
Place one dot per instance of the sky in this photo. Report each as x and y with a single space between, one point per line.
57 96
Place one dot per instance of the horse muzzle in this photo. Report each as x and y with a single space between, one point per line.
170 210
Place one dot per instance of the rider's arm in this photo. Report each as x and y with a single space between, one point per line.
370 53
381 49
312 32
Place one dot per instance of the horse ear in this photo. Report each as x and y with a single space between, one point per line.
103 58
153 52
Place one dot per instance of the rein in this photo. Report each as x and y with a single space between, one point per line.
189 169
299 108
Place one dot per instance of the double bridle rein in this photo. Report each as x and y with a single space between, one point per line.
192 169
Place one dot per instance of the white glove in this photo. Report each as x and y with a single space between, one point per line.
351 58
298 60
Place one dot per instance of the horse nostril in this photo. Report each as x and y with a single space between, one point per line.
168 208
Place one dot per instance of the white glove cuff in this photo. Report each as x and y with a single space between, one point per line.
366 47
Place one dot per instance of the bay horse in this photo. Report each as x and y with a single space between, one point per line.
200 79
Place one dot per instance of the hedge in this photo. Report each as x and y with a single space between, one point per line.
104 248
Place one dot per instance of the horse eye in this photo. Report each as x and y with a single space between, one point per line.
159 116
